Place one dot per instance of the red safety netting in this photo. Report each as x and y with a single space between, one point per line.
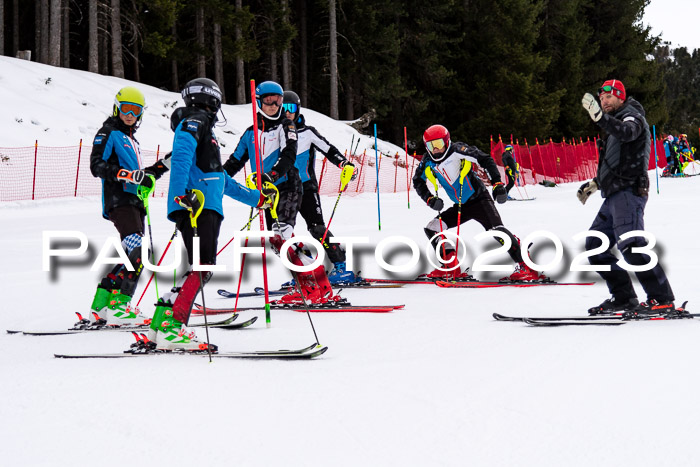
563 162
40 172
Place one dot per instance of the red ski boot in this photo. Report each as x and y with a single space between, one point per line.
523 273
450 271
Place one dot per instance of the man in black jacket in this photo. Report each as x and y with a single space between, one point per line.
623 181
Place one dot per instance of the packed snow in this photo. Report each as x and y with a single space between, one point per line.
437 383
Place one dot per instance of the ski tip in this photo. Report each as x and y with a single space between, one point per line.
10 331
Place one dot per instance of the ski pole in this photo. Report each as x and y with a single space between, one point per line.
193 222
295 275
240 275
345 177
259 170
143 193
466 167
251 218
431 177
376 163
656 161
159 261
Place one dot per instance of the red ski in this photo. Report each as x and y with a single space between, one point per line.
197 309
485 284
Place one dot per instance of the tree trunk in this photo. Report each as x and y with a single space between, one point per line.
137 61
103 17
93 56
44 48
15 27
303 55
65 35
286 62
240 69
333 58
201 59
55 33
116 23
219 61
37 29
273 58
2 27
349 102
174 81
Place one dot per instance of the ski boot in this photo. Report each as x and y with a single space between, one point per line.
450 270
523 273
98 309
613 305
121 312
340 276
316 289
289 285
174 335
652 307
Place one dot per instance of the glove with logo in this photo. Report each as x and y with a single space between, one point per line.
136 177
499 193
436 203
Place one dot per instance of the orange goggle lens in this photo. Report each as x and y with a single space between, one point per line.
128 108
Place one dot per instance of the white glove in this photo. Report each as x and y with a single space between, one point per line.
592 107
586 190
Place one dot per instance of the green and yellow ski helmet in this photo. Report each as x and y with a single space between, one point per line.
129 100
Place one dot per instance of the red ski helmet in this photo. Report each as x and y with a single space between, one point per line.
436 137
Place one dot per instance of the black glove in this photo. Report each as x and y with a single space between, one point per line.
436 203
189 201
499 193
270 176
137 177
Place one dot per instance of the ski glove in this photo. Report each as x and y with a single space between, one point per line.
436 203
592 107
586 190
189 201
270 176
137 177
267 198
499 193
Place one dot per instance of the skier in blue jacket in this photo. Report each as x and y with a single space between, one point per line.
195 164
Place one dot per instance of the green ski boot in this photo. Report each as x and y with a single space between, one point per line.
120 311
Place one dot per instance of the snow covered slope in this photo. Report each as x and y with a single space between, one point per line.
437 383
59 106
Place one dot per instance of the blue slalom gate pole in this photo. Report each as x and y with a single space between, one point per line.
656 160
376 166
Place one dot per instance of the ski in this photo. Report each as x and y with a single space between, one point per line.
59 332
257 293
483 284
309 352
227 323
604 320
197 309
418 280
521 199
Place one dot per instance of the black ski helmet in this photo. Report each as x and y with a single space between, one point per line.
202 92
291 97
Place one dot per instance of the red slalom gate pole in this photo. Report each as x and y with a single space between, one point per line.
159 261
259 166
36 148
77 170
405 148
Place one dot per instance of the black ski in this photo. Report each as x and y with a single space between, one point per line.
227 323
79 330
309 352
257 293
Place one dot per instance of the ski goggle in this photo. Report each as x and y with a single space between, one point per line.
272 99
607 89
128 108
435 144
290 107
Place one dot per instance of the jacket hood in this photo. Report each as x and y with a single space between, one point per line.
182 113
631 105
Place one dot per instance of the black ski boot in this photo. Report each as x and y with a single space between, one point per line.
652 307
613 305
